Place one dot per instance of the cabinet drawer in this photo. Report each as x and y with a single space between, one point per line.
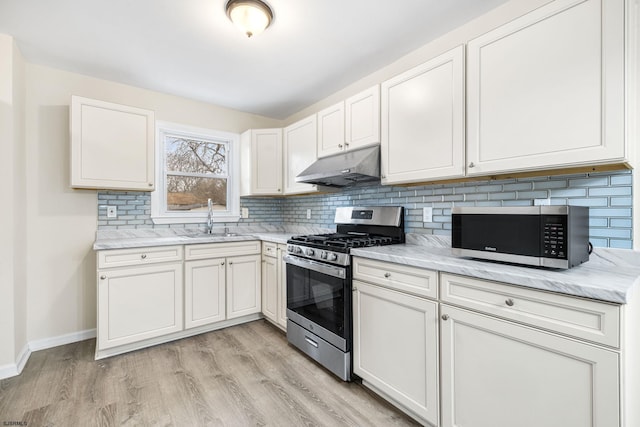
404 278
581 318
217 250
269 249
138 256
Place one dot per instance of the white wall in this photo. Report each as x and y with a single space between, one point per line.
6 193
12 232
61 222
463 34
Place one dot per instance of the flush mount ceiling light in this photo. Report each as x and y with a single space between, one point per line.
251 16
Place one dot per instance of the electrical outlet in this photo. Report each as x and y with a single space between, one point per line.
308 213
427 214
245 212
112 211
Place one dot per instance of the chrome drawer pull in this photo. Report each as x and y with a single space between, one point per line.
387 275
445 317
143 256
509 302
310 341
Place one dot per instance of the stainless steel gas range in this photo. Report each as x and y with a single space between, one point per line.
319 282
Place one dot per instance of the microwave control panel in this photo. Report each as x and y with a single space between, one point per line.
555 237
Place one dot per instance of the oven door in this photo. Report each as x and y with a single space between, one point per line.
319 299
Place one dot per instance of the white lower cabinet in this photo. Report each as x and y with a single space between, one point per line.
270 288
138 303
395 347
282 287
219 287
204 292
140 292
496 373
457 351
274 284
243 286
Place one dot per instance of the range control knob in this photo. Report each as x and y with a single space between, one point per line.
298 250
323 254
332 256
290 248
310 252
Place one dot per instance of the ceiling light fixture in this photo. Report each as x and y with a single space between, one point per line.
251 16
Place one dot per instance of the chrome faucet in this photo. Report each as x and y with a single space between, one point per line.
210 216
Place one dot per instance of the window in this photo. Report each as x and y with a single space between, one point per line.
193 166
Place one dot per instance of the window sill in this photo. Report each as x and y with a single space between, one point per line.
193 220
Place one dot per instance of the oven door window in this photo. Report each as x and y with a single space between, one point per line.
318 297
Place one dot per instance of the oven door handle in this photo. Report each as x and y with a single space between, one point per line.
318 267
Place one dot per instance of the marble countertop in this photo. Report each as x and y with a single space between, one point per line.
610 274
139 238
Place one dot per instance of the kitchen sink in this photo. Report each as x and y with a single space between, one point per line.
201 234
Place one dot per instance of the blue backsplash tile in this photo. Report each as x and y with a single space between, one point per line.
608 194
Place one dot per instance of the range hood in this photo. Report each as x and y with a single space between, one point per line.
344 169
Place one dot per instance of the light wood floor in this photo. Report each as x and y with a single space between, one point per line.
246 375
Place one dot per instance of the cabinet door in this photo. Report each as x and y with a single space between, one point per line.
499 374
423 121
299 152
270 288
138 303
331 130
547 90
243 285
112 146
262 163
362 118
204 292
395 344
282 287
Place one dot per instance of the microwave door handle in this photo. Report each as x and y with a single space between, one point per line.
318 267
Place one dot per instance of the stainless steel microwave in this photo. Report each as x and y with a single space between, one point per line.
545 236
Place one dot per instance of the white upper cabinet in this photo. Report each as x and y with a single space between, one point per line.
362 123
350 124
112 146
546 90
331 137
299 152
261 158
423 121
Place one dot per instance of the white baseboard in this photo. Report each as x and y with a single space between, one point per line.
44 343
13 369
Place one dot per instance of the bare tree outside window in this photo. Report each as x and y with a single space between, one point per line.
197 170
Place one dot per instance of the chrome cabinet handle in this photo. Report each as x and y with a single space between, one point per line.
387 275
472 165
509 302
150 185
339 145
222 263
445 317
346 144
103 277
143 256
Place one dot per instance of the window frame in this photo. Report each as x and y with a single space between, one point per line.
159 212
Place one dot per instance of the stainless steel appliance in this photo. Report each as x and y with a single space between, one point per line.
546 236
319 282
344 169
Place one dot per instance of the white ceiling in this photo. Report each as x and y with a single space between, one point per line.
189 47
